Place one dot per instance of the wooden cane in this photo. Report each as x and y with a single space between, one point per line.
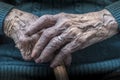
61 73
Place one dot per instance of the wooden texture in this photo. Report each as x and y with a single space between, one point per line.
61 73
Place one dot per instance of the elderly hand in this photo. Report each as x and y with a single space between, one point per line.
68 33
15 26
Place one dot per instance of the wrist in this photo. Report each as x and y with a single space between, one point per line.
16 23
109 22
4 10
107 17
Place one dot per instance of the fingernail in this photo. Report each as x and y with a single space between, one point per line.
38 61
32 55
52 65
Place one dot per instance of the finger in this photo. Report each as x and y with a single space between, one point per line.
26 44
68 60
53 45
56 43
49 59
46 36
43 22
25 54
33 39
64 53
75 45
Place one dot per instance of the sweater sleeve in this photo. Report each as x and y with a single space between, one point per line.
115 11
4 10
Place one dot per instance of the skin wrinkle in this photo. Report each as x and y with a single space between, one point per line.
15 26
90 27
62 32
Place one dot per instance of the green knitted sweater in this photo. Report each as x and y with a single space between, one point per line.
100 58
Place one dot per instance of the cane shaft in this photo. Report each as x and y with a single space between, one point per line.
61 73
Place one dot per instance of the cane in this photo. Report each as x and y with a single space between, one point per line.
61 73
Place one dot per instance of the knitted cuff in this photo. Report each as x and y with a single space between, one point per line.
4 10
115 11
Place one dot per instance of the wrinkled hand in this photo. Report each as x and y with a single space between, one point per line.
15 26
68 33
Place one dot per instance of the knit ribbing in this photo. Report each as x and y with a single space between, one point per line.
18 70
95 68
115 11
13 71
4 10
13 68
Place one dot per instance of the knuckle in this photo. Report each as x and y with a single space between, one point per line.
80 40
65 22
46 34
46 16
22 40
73 31
64 52
57 40
62 14
54 42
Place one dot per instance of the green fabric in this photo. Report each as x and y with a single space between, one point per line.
115 10
102 57
4 9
